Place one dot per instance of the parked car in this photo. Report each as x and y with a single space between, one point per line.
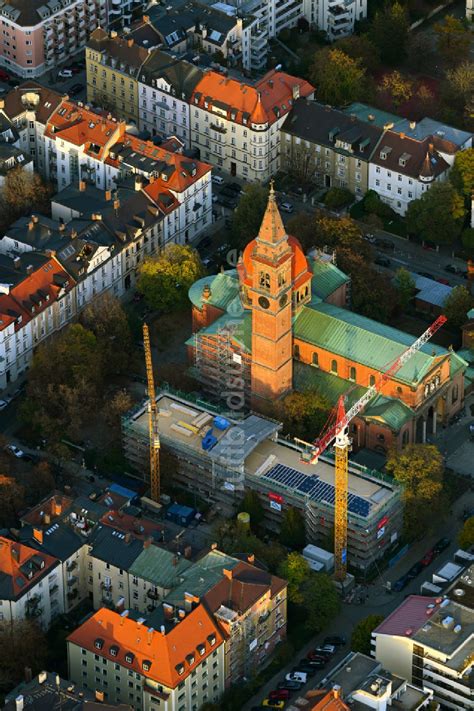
273 703
441 545
286 207
4 76
369 238
306 668
415 570
65 73
302 677
12 449
236 188
382 261
453 269
430 246
336 640
279 694
401 583
33 458
75 89
290 685
426 275
76 68
384 243
314 656
314 664
3 404
205 242
218 179
442 280
427 558
327 649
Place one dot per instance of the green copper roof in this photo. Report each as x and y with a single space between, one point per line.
242 333
202 576
327 278
363 340
159 567
389 411
377 116
224 288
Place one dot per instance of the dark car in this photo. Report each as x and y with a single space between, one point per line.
426 275
75 89
205 242
227 202
335 640
415 570
289 685
441 545
427 558
382 261
33 458
315 663
384 243
235 187
306 668
430 246
401 583
452 269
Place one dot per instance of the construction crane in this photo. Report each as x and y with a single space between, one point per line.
336 430
152 420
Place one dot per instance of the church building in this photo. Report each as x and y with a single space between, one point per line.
281 322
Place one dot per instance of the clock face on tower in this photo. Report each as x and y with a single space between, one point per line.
263 302
283 300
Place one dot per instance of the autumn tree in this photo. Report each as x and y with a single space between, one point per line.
462 173
405 285
293 529
389 33
361 48
466 534
339 78
419 469
437 215
453 40
23 193
461 83
398 87
303 226
41 482
362 633
303 413
248 215
27 647
164 280
105 317
118 405
300 163
456 305
12 496
372 295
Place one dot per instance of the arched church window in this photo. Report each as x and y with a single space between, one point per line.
296 351
371 380
315 359
334 366
353 374
264 280
454 393
281 279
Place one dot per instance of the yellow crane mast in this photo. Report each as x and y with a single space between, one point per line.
152 420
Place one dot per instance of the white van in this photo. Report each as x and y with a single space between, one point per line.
217 179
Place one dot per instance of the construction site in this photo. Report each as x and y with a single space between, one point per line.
218 457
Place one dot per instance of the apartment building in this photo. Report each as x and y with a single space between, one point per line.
429 641
403 168
322 145
31 585
236 126
37 36
177 667
335 17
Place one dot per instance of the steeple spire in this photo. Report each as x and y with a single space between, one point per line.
272 229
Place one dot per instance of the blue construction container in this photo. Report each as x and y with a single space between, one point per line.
208 441
182 515
221 423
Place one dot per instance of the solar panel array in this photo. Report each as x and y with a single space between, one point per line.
315 488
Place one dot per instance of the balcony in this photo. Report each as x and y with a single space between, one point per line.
53 589
106 586
72 565
153 595
72 594
218 128
71 581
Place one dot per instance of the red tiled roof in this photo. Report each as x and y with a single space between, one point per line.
409 616
139 527
10 312
270 98
39 289
14 562
180 647
241 587
330 702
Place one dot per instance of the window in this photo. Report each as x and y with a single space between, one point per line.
264 280
315 360
371 380
352 375
334 367
454 393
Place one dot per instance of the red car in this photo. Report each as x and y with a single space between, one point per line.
279 695
442 280
427 558
4 76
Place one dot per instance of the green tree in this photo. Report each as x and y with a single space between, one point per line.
248 215
405 285
336 198
373 204
466 534
164 280
398 87
293 529
27 647
105 317
437 215
339 79
389 33
456 305
252 505
420 51
12 496
467 238
362 633
454 40
320 601
462 172
360 47
303 226
419 469
372 295
296 571
303 413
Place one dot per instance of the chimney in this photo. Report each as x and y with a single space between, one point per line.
99 696
227 573
147 542
96 217
120 604
138 182
28 674
73 234
251 558
336 691
82 185
61 227
181 613
130 42
46 518
35 218
57 507
149 635
29 269
42 676
168 611
163 630
151 179
113 34
213 546
402 135
108 195
188 551
296 91
19 703
123 616
31 225
16 262
412 125
38 535
128 537
116 204
431 148
206 292
2 104
146 18
175 561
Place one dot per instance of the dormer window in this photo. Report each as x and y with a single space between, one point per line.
190 659
114 650
129 657
403 160
146 665
180 669
99 643
385 152
211 639
202 649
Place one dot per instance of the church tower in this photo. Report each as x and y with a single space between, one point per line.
270 300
